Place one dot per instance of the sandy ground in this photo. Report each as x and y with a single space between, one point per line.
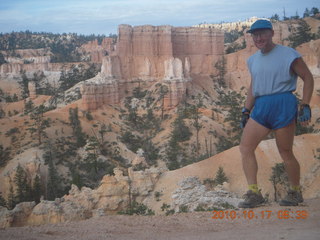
198 225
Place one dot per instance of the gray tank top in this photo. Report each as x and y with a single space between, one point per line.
271 73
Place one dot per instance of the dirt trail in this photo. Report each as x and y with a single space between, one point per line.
198 225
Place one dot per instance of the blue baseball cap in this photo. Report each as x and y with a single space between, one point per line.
260 24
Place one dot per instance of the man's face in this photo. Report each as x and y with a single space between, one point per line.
262 38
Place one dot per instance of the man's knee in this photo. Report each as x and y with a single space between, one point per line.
245 149
286 153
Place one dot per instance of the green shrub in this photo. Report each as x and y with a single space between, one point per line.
157 196
200 208
165 207
137 209
12 131
183 209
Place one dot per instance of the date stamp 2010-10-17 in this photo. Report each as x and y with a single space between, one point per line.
264 214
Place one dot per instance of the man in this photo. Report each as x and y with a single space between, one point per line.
274 70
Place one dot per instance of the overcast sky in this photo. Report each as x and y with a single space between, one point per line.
104 16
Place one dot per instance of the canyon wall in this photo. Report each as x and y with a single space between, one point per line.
22 56
144 49
166 54
95 51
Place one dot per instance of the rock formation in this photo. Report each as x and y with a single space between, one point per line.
139 160
113 194
24 60
32 89
98 92
26 56
174 78
311 54
177 89
193 194
96 51
229 26
155 53
104 88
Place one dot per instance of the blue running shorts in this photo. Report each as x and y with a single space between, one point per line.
275 111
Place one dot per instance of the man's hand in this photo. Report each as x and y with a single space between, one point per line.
245 117
304 115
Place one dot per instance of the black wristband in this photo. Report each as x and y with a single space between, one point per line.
304 105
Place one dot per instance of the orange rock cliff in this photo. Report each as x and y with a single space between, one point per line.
171 55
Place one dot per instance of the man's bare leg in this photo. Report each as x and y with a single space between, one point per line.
284 139
252 135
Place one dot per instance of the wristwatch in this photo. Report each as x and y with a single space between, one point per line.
245 110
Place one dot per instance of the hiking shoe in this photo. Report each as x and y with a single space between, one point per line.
292 199
251 200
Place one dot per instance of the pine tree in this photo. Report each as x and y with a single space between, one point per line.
37 189
102 131
306 13
92 155
76 179
150 120
133 116
314 11
220 177
4 155
223 144
40 123
296 16
2 59
196 122
275 17
278 177
231 102
163 92
301 35
151 153
221 67
172 154
180 131
53 184
20 179
76 127
3 202
11 202
24 85
28 107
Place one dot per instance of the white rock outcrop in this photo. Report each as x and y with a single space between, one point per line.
192 194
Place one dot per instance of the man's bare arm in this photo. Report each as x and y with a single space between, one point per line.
302 70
